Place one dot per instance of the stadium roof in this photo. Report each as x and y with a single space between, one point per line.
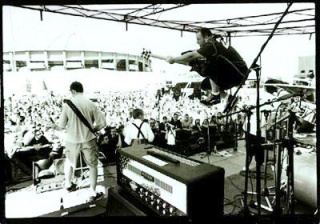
290 19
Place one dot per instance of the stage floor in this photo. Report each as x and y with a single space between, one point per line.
29 201
25 202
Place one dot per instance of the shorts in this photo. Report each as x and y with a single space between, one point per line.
225 74
89 151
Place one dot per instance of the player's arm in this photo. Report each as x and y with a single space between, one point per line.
185 58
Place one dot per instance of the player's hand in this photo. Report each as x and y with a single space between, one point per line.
170 60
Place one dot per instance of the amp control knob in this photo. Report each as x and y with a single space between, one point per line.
172 210
164 212
164 205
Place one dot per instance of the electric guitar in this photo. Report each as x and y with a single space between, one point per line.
197 65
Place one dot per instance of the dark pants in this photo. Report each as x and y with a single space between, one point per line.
225 75
172 148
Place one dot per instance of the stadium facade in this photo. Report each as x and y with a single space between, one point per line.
57 60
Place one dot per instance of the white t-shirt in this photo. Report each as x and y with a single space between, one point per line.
171 137
131 131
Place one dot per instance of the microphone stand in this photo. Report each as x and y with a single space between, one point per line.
235 146
209 149
158 99
266 192
233 97
289 144
248 113
259 150
247 164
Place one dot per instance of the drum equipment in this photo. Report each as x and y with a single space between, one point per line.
308 92
307 121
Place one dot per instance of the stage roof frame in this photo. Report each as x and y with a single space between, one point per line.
299 21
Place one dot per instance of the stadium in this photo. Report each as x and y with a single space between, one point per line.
60 60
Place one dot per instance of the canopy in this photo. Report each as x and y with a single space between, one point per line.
246 20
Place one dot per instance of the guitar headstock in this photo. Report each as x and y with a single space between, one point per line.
146 53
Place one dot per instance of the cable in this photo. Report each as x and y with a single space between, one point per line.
233 184
233 202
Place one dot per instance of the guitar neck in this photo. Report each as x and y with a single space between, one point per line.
158 56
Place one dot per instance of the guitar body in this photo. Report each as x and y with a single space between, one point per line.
198 66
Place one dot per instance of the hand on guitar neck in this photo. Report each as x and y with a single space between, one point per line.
196 65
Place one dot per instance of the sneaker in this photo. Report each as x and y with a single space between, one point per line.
211 100
73 187
98 196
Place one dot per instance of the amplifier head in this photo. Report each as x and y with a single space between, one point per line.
169 189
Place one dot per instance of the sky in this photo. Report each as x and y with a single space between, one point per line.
23 30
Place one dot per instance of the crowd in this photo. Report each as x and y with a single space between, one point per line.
177 122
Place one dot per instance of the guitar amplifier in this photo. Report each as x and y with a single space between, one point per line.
163 183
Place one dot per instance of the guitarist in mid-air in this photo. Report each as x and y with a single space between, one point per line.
222 65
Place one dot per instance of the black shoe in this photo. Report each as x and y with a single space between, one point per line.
98 196
73 187
211 100
191 97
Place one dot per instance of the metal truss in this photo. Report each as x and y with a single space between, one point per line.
296 22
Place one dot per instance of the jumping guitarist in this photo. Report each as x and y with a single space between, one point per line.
223 66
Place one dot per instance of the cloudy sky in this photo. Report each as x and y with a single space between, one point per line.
23 30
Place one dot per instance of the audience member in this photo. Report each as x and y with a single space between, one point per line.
186 122
108 143
175 122
156 132
171 137
139 131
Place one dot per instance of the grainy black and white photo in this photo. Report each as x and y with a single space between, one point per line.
186 112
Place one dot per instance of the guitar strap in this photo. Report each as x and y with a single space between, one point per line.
80 116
